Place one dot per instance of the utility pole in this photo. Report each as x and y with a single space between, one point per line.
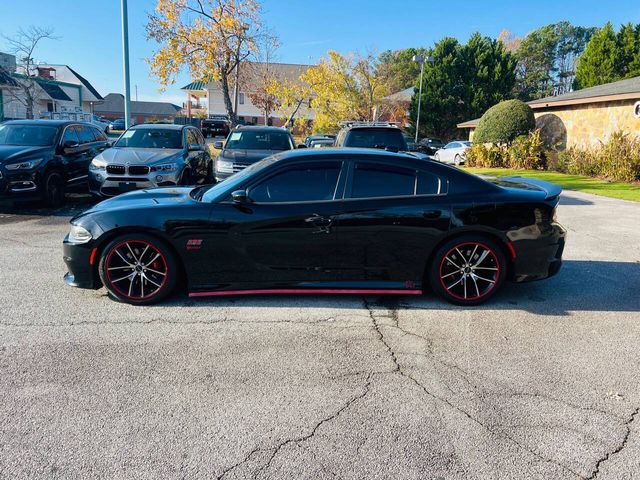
125 61
420 59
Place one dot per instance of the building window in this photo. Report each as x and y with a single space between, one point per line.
241 98
254 120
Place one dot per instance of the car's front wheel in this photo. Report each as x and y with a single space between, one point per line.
138 269
53 189
436 157
467 270
457 160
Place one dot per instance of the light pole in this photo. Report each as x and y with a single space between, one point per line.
420 59
125 61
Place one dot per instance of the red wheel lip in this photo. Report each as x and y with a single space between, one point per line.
120 292
474 299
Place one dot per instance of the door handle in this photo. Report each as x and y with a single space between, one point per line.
431 214
319 221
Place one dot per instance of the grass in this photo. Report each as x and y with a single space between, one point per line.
596 186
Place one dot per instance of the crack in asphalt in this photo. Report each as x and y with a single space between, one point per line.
276 449
398 369
618 449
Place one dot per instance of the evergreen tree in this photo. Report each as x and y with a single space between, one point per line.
600 61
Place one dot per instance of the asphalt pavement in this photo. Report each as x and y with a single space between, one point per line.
541 383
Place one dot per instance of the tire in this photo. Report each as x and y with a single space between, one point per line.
210 175
462 282
53 189
457 160
187 178
138 269
436 157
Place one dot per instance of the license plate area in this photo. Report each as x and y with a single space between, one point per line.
127 186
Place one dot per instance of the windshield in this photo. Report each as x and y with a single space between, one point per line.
229 185
376 138
150 138
27 135
259 140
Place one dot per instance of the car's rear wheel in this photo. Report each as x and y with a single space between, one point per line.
468 270
138 269
53 191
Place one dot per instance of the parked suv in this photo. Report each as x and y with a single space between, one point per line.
151 155
215 126
247 145
381 135
47 157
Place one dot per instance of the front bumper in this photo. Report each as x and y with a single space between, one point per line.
19 184
106 184
81 261
539 258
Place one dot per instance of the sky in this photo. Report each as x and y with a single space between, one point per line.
90 38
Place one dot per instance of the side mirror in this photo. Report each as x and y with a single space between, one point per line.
240 196
218 144
194 147
69 145
108 145
302 145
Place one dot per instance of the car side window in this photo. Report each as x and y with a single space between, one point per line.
429 184
100 136
191 137
200 138
70 135
372 180
299 184
85 135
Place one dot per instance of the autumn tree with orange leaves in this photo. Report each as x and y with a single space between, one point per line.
209 38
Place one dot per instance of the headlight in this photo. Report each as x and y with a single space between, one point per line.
165 167
223 166
98 164
79 234
28 165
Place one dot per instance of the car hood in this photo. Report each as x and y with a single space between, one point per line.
247 156
138 156
12 153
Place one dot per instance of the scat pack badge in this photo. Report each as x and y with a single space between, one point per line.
194 244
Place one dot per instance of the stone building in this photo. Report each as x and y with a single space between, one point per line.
585 117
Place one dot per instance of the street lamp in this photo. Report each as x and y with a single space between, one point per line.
420 59
125 62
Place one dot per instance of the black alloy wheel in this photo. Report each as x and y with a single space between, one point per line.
468 270
138 269
53 189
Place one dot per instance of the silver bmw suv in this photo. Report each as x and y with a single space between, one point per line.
151 155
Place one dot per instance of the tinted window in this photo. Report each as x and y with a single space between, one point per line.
85 134
429 184
373 180
70 135
28 135
100 136
300 184
192 139
151 138
376 138
259 140
452 145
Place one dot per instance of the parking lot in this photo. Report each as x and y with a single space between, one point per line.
542 382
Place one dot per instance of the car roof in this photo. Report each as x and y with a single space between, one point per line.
265 128
167 126
55 123
343 152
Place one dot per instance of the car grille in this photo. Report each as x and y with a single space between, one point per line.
115 169
138 169
237 166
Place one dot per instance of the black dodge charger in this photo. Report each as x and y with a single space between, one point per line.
326 221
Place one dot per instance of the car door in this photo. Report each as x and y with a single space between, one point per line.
81 158
285 235
393 216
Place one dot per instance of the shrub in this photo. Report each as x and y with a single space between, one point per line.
527 151
481 156
618 159
504 122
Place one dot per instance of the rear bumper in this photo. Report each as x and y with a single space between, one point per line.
78 258
539 258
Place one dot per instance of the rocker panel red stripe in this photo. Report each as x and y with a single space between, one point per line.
308 291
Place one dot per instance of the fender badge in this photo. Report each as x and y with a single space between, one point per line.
194 244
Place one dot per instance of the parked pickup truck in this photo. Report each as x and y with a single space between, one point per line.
215 127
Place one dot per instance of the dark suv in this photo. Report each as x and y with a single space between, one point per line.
215 126
380 135
247 145
47 157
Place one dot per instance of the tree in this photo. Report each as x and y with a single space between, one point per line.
344 87
504 122
599 60
23 45
398 68
208 37
289 96
547 59
261 74
462 83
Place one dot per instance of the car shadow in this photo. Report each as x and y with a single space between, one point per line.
568 199
30 208
581 285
